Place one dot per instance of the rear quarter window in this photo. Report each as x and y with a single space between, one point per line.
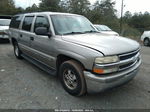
15 22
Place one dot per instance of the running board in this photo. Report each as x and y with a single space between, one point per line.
39 65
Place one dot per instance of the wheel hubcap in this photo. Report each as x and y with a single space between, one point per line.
16 51
70 79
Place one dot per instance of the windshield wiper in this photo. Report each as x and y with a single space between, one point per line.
91 31
106 30
73 33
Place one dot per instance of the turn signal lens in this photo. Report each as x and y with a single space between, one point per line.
105 70
98 71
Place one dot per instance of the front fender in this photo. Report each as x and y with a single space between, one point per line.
83 54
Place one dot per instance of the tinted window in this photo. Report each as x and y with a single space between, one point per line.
41 22
27 23
15 22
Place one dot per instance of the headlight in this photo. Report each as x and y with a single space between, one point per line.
106 60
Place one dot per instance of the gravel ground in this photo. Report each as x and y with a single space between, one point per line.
24 86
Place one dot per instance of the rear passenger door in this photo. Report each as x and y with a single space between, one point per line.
43 46
25 35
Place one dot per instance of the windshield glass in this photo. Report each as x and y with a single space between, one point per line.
4 22
66 24
103 28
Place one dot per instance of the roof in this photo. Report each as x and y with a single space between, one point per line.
50 13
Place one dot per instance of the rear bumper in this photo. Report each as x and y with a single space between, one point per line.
100 83
4 37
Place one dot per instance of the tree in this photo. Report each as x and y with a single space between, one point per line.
127 17
19 10
140 21
7 7
104 13
49 5
78 6
33 8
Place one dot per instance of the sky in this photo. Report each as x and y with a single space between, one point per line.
130 5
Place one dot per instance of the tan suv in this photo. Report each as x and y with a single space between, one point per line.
68 46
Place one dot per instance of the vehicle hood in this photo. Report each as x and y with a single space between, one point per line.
108 45
110 33
146 33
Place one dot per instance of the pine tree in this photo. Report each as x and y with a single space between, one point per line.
78 6
50 5
7 7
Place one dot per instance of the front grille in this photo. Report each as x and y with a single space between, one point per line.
128 55
124 57
126 65
129 59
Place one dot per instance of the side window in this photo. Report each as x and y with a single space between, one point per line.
27 23
41 21
15 22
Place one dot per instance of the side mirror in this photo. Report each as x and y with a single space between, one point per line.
42 31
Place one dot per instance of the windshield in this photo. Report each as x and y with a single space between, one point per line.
103 28
4 22
64 24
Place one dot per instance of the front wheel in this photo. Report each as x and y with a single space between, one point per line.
72 78
17 51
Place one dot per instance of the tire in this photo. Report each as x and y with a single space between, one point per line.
4 40
146 42
72 78
17 51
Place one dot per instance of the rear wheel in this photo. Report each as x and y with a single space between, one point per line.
72 78
17 51
146 42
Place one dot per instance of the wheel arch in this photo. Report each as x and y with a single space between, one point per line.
62 58
147 38
13 40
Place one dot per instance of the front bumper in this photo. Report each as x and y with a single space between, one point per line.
100 83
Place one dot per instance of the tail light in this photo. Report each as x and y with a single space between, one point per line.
2 33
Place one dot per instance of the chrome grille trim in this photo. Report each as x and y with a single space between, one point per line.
129 66
136 51
129 59
120 62
127 63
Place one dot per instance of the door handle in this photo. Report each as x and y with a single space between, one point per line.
32 38
21 35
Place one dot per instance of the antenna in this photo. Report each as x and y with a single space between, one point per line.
122 6
29 3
